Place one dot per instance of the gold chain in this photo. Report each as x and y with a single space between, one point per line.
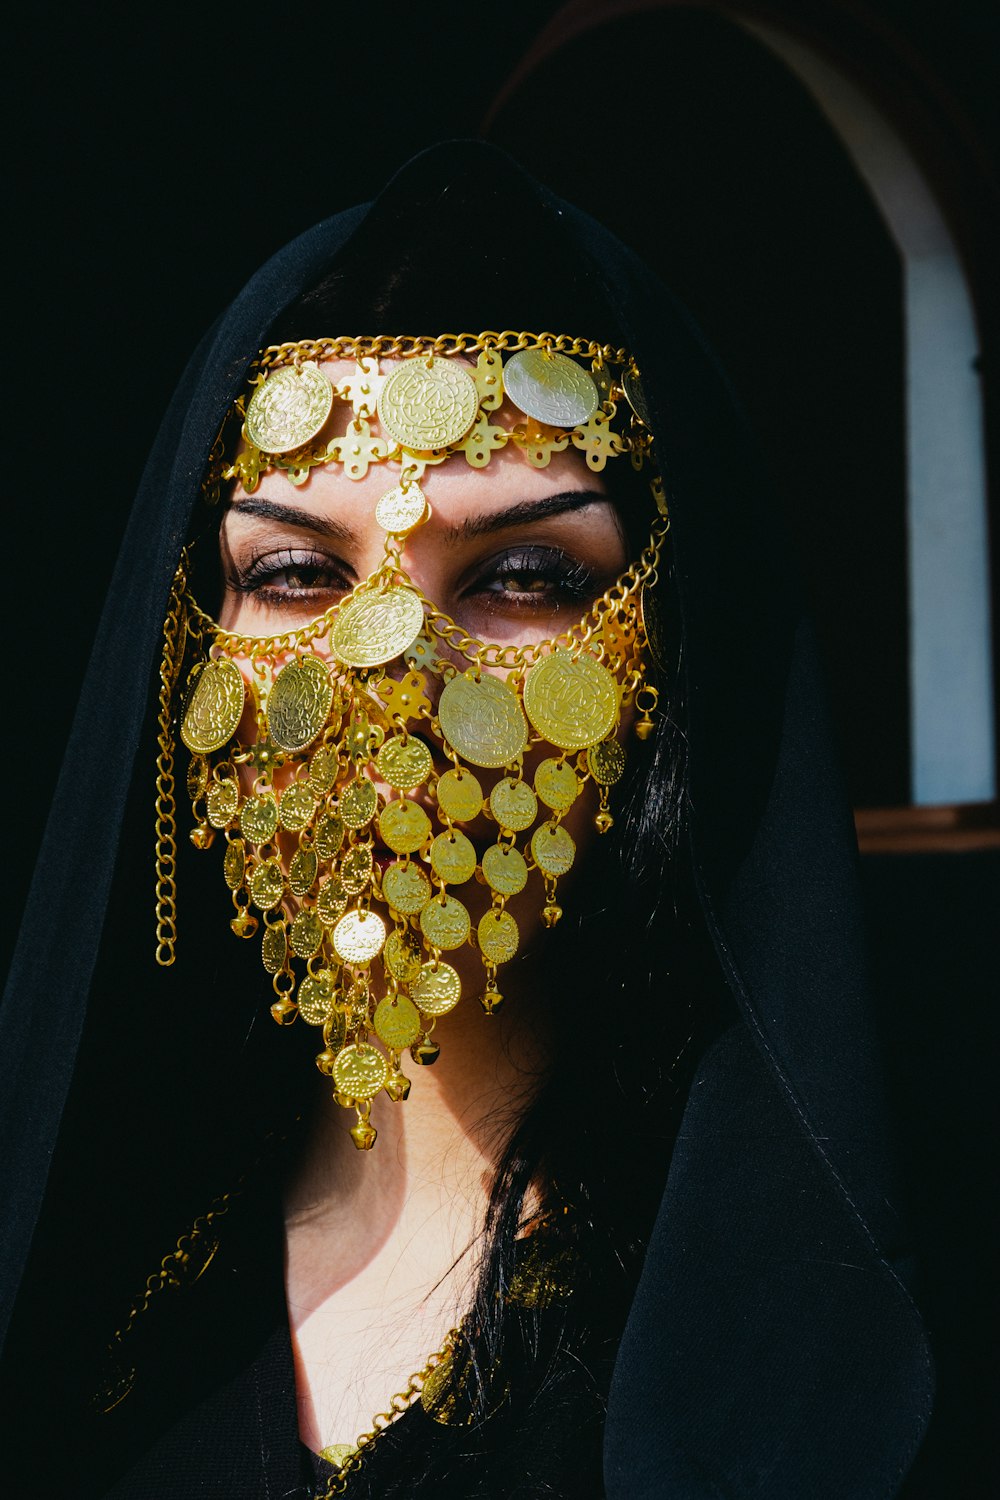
385 346
166 801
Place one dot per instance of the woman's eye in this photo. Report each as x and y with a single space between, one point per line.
540 576
288 576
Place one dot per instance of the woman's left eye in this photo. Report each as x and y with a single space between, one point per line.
535 575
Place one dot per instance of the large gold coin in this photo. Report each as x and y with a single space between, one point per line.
331 903
259 819
445 922
399 510
358 937
404 762
396 1022
482 719
214 707
307 933
223 802
234 863
552 849
556 784
316 997
401 955
504 869
329 835
267 884
571 700
375 625
358 803
406 888
297 805
606 762
299 703
289 409
360 1071
437 989
404 826
428 405
453 857
552 388
323 767
356 868
459 795
513 804
303 870
274 948
498 937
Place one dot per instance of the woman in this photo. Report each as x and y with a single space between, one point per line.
632 1231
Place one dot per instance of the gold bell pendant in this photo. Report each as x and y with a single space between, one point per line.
363 1134
425 1052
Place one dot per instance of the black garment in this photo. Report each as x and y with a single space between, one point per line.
772 1347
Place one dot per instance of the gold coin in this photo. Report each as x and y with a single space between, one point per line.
404 826
513 804
636 396
445 922
550 387
406 888
401 955
459 795
356 868
399 510
428 405
288 410
307 933
571 700
482 719
214 707
606 762
358 803
329 835
234 863
504 869
375 625
453 857
404 762
316 996
437 989
360 1071
223 802
331 902
303 870
297 805
197 777
498 937
556 784
552 849
274 948
259 819
358 937
299 703
396 1022
267 884
323 768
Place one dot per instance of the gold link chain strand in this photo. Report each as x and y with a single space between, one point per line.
166 801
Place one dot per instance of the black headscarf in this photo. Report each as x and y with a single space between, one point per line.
772 1348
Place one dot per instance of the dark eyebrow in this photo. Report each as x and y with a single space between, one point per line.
291 515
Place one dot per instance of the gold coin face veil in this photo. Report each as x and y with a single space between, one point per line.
385 739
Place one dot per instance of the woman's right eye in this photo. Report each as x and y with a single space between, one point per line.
290 576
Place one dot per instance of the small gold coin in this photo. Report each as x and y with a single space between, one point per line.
259 819
498 937
482 719
606 762
214 707
360 1071
358 937
459 795
331 902
550 387
223 802
316 997
274 948
356 868
404 826
197 777
404 762
303 870
428 404
453 857
397 1023
323 767
636 396
399 510
358 803
299 703
234 863
289 409
297 805
336 1024
406 888
437 989
556 784
552 849
504 869
513 804
329 835
445 922
267 884
571 700
307 933
401 956
375 625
